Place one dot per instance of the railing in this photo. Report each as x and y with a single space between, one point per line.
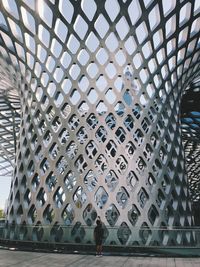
113 236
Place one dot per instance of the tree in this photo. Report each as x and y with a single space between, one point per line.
2 214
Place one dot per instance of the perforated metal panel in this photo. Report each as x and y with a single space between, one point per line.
100 132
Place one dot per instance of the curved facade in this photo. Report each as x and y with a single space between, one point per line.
100 85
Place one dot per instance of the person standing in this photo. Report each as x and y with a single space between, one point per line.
98 237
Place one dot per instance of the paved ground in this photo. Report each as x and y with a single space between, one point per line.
10 258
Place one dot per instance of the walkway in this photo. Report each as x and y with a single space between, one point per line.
10 258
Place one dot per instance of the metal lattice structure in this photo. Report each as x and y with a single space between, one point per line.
100 85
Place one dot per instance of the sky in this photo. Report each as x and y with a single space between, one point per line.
4 190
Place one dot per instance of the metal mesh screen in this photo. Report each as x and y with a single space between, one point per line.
100 90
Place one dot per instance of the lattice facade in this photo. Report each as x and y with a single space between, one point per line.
100 89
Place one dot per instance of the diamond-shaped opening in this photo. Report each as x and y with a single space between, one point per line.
101 197
153 214
132 179
120 135
79 197
110 96
101 108
112 214
75 97
74 71
119 109
73 122
134 8
81 164
130 149
35 182
66 85
111 180
70 180
133 215
56 48
170 26
32 214
63 136
92 96
59 197
122 28
89 7
111 148
142 197
61 165
82 135
38 232
83 83
78 232
154 17
58 74
144 75
112 42
61 30
110 121
123 233
51 181
150 90
92 121
27 18
148 152
137 60
68 214
72 150
120 58
147 50
44 166
112 8
56 233
56 124
101 134
166 184
138 137
45 13
101 164
102 56
110 70
122 197
161 200
58 99
89 215
66 110
83 108
50 64
43 35
91 149
121 164
101 83
145 233
158 39
27 198
101 25
41 197
92 70
80 27
129 122
83 57
73 44
92 42
90 180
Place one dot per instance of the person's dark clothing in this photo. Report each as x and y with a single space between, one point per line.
98 234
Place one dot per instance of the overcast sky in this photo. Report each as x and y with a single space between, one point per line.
4 190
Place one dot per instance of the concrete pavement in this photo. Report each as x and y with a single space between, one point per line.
15 258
